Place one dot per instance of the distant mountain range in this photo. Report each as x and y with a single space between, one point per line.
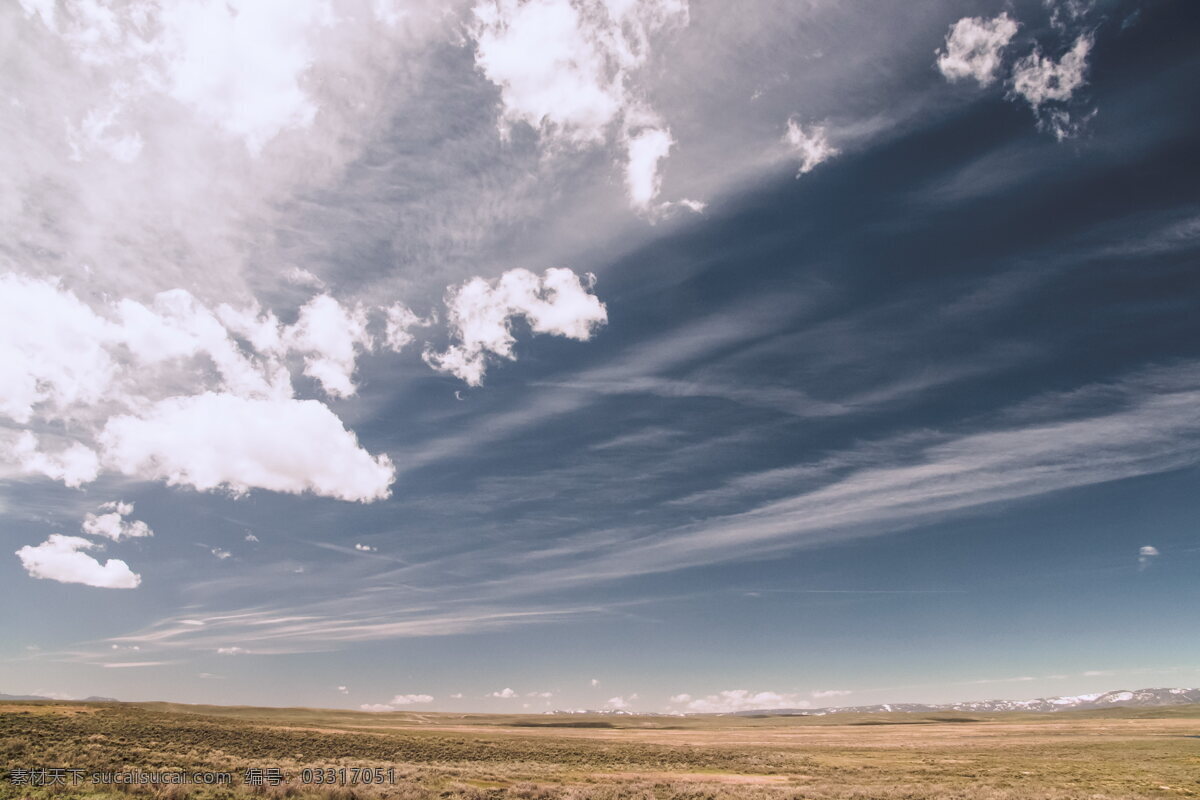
92 699
1141 698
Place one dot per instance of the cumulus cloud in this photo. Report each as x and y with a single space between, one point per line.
398 702
595 681
365 548
222 441
62 361
220 554
343 690
113 525
298 276
330 336
732 700
250 537
174 390
237 65
809 144
504 694
481 313
59 559
400 321
74 465
642 179
1040 79
620 703
1146 556
974 46
52 350
570 69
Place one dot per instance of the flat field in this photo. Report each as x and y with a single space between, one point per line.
1150 753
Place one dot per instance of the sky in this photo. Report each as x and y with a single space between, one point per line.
639 355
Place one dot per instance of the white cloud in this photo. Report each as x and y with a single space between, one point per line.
239 63
481 313
250 537
365 548
113 525
343 690
732 700
221 554
74 465
400 319
562 66
1146 556
96 134
221 441
620 703
825 693
456 696
1064 12
299 276
331 337
504 694
59 559
52 352
1039 79
539 694
570 69
230 651
410 699
642 179
974 46
595 681
398 702
810 144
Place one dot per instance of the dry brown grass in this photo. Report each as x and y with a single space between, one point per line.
1064 756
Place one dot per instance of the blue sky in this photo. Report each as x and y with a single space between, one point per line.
578 355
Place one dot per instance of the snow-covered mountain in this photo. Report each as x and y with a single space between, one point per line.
1140 698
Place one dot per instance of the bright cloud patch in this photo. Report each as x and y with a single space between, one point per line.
642 178
331 336
52 349
400 322
569 68
59 559
74 465
1146 555
236 64
738 700
973 48
113 525
107 370
1039 79
481 314
809 144
213 441
397 702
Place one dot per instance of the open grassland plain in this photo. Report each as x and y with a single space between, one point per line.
1146 753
